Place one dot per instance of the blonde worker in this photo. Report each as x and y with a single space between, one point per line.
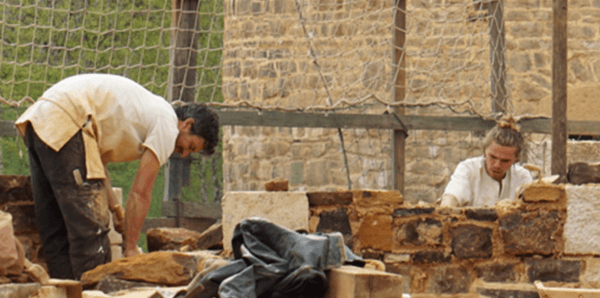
493 177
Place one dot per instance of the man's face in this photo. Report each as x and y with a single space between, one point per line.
187 142
498 159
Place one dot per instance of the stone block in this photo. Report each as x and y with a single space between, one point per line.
110 284
553 270
277 185
288 209
430 257
503 290
449 279
116 252
408 211
15 188
72 287
211 237
18 290
161 267
376 232
50 292
481 214
582 226
170 238
591 275
530 232
343 198
498 272
356 282
542 192
374 198
417 232
336 221
408 271
471 241
396 258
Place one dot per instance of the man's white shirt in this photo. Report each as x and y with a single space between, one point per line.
472 185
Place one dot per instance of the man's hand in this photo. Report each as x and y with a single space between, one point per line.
118 218
449 201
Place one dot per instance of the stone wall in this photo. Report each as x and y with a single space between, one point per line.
548 234
16 198
269 61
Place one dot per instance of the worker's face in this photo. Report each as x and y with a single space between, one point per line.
187 142
498 159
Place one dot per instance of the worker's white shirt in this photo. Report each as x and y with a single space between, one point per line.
472 185
119 119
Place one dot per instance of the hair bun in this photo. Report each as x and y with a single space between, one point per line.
508 122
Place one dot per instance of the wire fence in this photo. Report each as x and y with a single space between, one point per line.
455 58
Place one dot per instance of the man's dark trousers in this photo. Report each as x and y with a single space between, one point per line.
72 217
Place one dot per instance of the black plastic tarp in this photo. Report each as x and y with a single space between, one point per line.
271 261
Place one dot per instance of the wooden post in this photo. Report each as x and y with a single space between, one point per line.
182 86
559 88
399 93
497 45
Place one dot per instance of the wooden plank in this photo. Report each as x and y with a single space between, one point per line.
282 119
559 88
193 224
7 129
497 45
182 81
399 94
193 209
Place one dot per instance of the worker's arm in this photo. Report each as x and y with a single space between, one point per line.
138 201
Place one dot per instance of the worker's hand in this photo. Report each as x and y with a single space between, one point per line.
118 218
449 201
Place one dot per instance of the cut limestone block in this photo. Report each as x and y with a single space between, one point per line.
542 192
16 290
560 292
582 226
50 292
356 282
72 287
288 209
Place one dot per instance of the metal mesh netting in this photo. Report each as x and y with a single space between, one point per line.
305 56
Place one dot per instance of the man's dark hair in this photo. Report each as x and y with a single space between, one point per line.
206 122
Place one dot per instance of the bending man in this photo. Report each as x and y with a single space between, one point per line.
493 177
72 132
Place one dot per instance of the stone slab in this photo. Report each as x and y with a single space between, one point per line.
582 226
356 282
50 292
561 292
288 209
15 290
72 287
542 192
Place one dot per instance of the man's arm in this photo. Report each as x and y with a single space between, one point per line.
459 189
138 201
